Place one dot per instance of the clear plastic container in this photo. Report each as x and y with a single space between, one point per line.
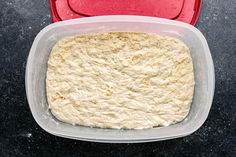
37 67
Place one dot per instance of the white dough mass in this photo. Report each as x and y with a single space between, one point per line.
120 80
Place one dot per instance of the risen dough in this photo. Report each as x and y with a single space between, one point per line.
120 80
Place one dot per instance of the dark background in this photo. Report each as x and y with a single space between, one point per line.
21 20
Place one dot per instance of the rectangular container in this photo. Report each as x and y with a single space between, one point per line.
45 40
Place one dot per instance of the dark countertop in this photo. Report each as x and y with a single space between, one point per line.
21 20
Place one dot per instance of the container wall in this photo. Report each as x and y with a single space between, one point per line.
37 66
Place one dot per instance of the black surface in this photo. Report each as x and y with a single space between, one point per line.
21 20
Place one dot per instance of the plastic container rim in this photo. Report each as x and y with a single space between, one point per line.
119 18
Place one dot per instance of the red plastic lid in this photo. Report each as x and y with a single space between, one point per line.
181 10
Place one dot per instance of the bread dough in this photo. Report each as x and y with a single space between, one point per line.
120 80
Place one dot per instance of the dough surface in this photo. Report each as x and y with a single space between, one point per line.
120 80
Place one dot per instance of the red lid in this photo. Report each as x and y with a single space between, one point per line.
181 10
131 7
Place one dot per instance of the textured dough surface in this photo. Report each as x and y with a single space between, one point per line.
120 80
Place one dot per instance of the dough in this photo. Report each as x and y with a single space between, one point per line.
120 80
